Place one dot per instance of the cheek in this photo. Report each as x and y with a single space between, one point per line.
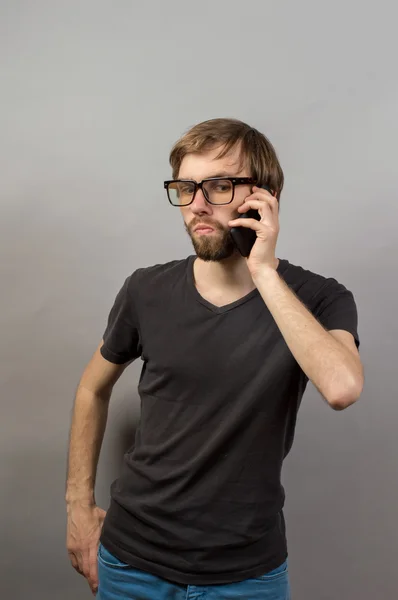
225 216
186 215
241 193
233 209
239 199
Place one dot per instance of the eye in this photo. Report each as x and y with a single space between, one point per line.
220 186
186 188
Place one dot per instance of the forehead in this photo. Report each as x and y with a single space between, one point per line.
199 166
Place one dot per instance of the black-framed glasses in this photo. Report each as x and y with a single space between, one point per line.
216 190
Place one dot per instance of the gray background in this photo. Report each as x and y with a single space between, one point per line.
93 95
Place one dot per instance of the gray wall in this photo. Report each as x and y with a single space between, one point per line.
93 94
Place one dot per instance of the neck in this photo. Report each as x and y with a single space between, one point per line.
229 274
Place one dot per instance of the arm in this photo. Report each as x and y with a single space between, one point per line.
88 427
330 359
87 430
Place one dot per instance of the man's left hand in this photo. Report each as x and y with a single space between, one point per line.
262 255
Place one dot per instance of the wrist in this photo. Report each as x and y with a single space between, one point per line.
265 276
86 499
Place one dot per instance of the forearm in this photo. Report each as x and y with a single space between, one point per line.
331 367
87 431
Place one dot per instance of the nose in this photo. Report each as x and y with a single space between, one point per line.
199 205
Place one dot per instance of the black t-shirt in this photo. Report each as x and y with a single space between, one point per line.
199 499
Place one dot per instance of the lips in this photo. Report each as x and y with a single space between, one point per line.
204 227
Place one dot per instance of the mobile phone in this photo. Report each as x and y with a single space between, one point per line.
243 237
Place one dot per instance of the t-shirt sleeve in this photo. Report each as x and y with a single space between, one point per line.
335 308
121 336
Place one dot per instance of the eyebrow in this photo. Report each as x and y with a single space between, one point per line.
221 174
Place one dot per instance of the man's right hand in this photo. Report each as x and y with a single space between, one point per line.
83 534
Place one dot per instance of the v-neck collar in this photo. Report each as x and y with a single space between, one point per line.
227 307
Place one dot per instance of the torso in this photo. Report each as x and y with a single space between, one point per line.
200 499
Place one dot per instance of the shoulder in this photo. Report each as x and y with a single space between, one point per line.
312 286
156 276
329 300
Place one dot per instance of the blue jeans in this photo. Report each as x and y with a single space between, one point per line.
118 581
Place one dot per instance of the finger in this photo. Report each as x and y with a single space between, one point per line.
267 190
248 223
93 576
270 193
85 564
93 588
75 563
260 203
261 194
266 215
73 560
262 207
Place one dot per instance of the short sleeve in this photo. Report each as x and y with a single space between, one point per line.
121 336
335 308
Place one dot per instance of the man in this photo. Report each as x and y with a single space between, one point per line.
228 344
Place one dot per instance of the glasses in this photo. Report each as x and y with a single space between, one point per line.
216 190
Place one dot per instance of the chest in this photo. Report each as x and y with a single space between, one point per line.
200 349
222 298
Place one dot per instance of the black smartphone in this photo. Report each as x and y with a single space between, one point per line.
243 237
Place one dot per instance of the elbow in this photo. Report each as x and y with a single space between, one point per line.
342 403
343 396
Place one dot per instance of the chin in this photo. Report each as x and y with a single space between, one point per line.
214 253
213 248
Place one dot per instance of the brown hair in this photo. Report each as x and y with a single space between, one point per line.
256 150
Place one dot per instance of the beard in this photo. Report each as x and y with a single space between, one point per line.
214 247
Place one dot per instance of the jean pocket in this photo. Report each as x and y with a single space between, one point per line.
280 571
110 560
